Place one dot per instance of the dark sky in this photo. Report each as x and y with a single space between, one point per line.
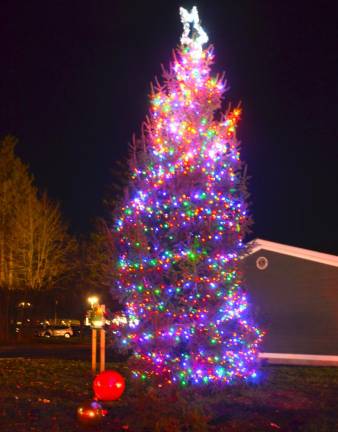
74 80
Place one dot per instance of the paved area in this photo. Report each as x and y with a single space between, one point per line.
68 351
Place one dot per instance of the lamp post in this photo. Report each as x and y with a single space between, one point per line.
56 302
23 306
97 322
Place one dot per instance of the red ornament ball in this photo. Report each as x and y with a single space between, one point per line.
108 385
91 413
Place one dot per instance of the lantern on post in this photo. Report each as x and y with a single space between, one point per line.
96 317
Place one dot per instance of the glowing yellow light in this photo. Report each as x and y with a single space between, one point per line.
92 300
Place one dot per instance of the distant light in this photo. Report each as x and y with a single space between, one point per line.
24 305
120 320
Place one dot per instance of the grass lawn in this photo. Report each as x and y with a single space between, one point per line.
42 395
35 340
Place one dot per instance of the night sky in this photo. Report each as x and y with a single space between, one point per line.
74 83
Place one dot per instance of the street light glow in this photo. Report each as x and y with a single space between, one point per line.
92 300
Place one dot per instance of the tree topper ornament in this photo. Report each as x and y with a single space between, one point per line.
199 36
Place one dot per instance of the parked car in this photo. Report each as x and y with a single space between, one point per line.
56 330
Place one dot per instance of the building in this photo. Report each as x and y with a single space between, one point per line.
294 295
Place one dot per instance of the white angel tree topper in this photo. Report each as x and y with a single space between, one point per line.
180 232
200 37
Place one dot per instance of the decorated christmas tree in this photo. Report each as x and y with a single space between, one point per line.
180 231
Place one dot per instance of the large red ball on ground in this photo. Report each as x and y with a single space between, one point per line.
108 385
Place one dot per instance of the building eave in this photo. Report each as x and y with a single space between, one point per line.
319 257
299 359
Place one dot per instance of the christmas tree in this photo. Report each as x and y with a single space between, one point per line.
180 231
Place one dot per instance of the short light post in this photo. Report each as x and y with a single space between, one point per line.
97 321
23 306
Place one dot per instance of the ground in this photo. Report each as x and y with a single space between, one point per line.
43 395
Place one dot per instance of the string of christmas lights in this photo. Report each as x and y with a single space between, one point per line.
181 232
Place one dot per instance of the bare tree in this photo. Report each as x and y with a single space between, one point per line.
98 257
35 247
44 249
15 184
